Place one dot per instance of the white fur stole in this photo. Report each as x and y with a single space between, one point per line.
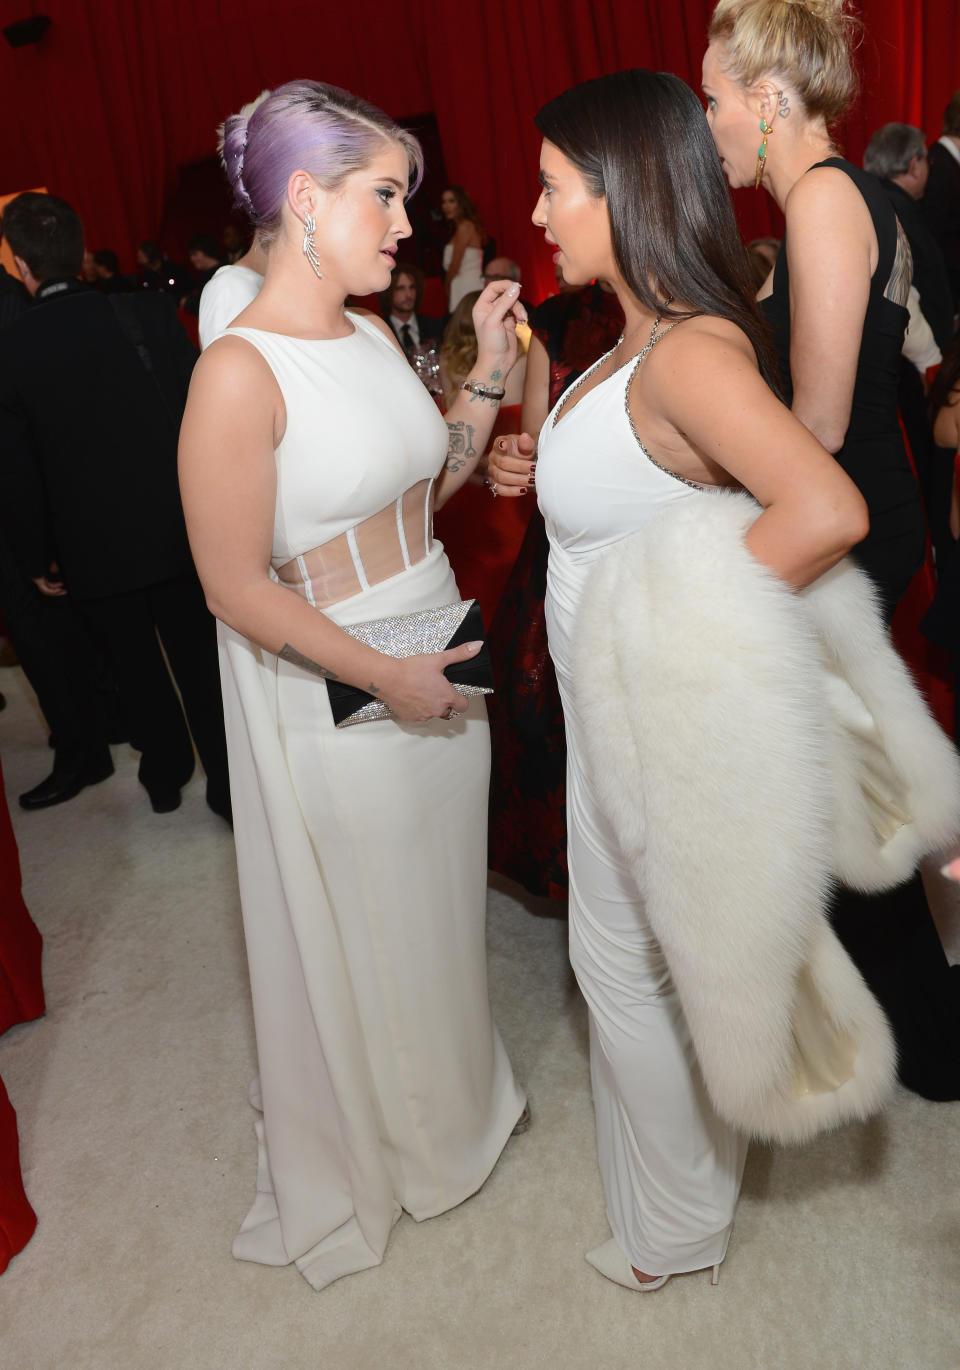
750 745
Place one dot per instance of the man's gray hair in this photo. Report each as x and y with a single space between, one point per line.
891 150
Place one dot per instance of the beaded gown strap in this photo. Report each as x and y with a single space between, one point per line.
656 334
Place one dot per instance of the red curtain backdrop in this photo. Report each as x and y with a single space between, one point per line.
119 95
21 998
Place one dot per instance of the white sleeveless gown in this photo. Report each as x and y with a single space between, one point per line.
469 276
671 1169
227 293
383 1081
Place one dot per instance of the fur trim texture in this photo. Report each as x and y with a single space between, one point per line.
750 745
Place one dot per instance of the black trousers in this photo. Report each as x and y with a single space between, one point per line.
132 627
893 941
62 664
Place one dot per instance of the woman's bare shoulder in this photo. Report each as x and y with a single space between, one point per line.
232 362
705 336
234 387
822 193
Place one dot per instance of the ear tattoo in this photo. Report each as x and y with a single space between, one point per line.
766 129
309 246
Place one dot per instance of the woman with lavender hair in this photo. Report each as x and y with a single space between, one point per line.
311 460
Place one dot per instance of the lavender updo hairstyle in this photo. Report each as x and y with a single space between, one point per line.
310 126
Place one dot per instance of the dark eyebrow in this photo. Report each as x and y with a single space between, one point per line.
542 177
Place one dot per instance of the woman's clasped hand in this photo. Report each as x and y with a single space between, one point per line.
416 688
512 465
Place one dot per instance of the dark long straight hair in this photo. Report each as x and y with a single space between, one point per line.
640 139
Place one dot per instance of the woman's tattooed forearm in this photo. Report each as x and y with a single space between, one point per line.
288 653
460 449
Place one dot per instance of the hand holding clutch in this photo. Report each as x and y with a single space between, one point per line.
424 632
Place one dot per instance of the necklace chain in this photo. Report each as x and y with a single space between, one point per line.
653 333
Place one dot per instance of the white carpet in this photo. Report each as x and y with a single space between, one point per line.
139 1157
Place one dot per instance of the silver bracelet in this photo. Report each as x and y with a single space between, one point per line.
486 392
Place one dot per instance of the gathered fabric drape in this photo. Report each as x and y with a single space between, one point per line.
118 96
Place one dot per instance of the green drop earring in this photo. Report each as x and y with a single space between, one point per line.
766 129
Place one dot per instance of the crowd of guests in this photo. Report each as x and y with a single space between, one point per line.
827 342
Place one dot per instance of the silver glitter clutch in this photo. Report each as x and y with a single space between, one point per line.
428 630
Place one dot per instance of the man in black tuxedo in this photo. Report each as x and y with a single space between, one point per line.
107 270
897 154
92 391
13 301
940 205
13 297
157 272
400 304
55 653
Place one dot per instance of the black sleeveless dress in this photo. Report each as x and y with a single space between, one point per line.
873 454
891 937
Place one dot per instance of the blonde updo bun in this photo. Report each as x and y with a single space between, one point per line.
805 43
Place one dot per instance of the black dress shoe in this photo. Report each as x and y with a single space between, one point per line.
65 783
164 798
219 802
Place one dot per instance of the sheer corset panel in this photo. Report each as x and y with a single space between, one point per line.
383 545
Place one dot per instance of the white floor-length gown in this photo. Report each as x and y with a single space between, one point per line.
671 1169
383 1082
469 275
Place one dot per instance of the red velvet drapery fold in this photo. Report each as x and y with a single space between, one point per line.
117 96
21 998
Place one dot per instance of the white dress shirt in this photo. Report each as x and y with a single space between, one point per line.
397 324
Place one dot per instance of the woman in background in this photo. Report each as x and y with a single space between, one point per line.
778 73
229 290
463 254
481 542
528 836
236 284
458 355
942 624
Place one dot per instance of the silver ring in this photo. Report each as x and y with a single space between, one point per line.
493 489
451 713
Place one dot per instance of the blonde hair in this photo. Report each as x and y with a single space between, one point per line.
458 351
805 43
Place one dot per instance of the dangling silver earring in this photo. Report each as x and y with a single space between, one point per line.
309 246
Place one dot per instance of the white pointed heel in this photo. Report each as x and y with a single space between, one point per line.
523 1122
610 1261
